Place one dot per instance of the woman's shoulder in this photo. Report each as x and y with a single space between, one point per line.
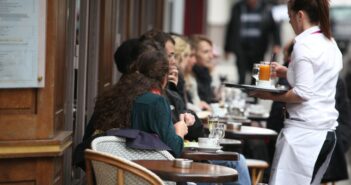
149 98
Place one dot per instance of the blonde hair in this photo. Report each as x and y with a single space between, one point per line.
181 47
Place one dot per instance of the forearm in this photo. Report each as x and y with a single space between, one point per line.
288 97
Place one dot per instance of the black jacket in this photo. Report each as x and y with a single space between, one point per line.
178 107
268 27
337 169
204 81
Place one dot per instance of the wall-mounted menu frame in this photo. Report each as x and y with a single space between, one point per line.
22 43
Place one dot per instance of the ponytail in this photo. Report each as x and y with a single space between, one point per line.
318 12
323 11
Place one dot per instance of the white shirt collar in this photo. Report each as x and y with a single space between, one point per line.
307 32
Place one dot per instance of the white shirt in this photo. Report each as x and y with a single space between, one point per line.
313 73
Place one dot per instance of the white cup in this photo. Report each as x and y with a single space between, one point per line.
207 142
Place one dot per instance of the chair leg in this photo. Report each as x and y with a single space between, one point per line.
120 177
253 176
259 176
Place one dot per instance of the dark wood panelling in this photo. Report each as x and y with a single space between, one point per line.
106 46
45 171
17 127
134 18
29 171
17 101
40 123
17 170
60 68
122 28
159 14
19 183
31 120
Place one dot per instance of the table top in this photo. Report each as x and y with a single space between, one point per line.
200 156
258 117
198 172
250 132
227 141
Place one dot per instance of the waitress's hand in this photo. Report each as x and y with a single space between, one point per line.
189 119
262 95
181 128
279 70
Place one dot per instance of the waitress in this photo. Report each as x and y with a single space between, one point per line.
305 144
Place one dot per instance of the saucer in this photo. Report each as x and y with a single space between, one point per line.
209 148
265 84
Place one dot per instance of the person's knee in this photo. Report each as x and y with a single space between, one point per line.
242 160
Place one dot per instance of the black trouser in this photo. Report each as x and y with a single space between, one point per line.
245 61
327 147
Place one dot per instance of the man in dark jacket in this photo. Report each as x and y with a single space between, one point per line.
248 32
337 169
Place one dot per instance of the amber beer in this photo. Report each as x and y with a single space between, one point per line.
265 71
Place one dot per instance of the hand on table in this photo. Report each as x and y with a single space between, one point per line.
181 128
189 119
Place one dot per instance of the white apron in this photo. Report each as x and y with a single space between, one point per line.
297 150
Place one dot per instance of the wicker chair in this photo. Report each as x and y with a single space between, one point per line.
113 170
116 146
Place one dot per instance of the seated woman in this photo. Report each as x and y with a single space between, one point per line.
136 101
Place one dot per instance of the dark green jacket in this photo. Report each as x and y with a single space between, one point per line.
151 113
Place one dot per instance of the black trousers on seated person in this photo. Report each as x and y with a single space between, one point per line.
327 147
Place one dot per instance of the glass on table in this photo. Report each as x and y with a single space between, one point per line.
218 132
255 72
221 128
212 122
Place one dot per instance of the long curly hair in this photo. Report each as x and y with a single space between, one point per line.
113 108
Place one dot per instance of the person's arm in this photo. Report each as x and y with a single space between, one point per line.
302 91
288 97
163 126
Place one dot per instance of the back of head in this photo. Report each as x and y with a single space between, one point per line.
113 108
158 36
123 55
318 13
153 65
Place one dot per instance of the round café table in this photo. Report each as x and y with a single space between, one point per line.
250 132
198 172
200 156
